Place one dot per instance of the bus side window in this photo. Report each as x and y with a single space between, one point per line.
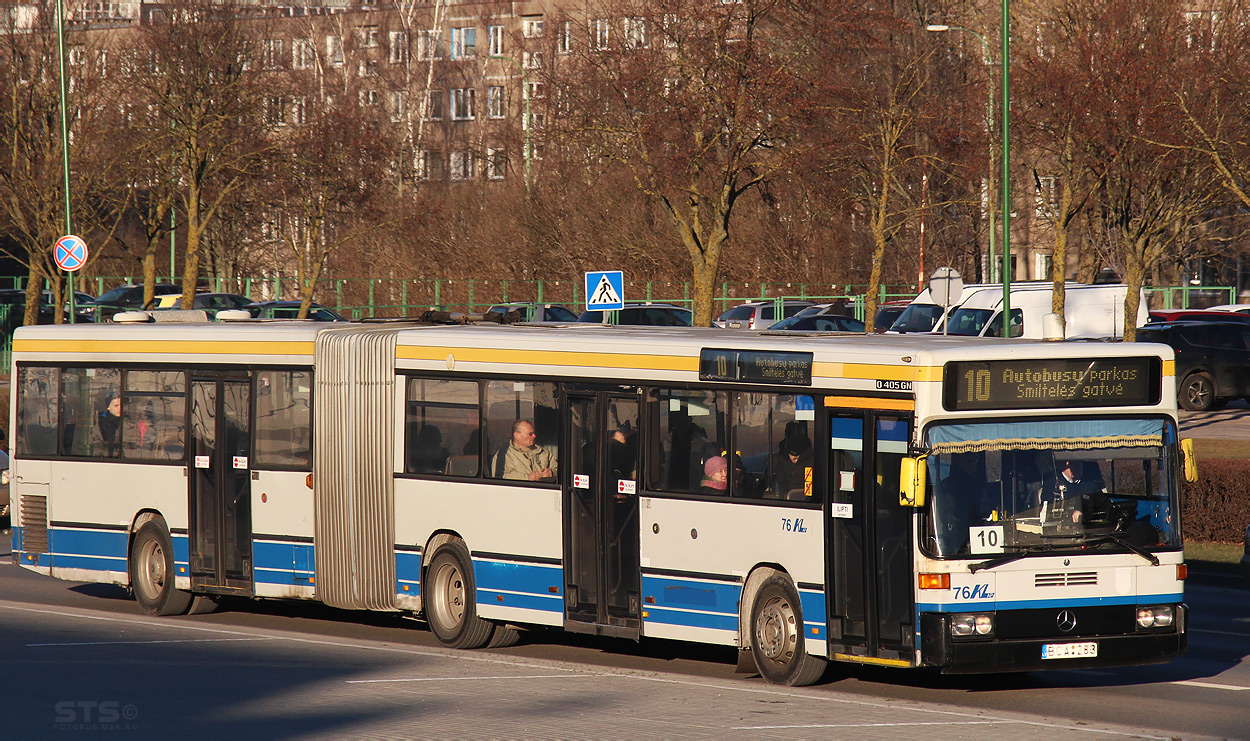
91 412
689 429
36 417
442 418
283 425
155 410
510 401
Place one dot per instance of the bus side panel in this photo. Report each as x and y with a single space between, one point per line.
282 527
91 544
513 532
697 555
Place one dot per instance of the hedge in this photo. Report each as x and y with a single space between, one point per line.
1216 508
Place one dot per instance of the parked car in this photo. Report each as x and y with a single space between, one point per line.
1212 360
1196 315
290 310
122 298
1234 308
209 302
820 323
653 315
759 314
887 313
15 299
536 312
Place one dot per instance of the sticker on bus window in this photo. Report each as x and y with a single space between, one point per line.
581 481
201 461
986 539
625 486
240 462
846 481
842 511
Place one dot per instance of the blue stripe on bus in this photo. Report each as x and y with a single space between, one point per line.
1141 599
847 433
813 604
690 618
690 603
407 573
73 542
282 563
525 585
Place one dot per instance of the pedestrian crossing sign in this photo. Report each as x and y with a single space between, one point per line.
605 290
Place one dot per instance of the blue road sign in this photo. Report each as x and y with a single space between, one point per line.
605 290
71 252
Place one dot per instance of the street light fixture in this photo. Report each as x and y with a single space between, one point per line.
525 82
989 124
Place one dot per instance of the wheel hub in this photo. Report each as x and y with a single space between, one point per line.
775 630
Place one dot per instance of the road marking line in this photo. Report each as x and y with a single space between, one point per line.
1220 632
142 643
461 679
1213 685
872 725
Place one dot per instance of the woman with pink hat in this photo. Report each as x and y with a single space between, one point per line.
715 475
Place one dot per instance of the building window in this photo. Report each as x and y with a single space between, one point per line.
564 42
495 35
433 110
494 101
534 90
600 33
532 59
463 43
461 165
670 30
77 55
398 53
462 100
1043 266
368 36
367 68
299 110
1047 200
635 33
368 98
532 26
399 105
302 54
429 165
334 51
271 54
429 45
275 110
496 163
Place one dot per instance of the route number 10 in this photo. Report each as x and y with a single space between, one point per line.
978 382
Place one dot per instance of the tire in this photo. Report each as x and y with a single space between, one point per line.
1197 392
449 592
504 636
152 572
777 643
202 604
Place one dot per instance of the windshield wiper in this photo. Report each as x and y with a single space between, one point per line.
1007 558
1130 547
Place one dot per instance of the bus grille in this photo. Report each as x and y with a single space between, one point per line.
1067 579
34 523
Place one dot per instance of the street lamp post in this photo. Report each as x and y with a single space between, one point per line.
525 81
989 130
1005 60
69 221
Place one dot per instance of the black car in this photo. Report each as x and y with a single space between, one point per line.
821 323
651 315
535 312
122 298
15 300
1212 360
290 310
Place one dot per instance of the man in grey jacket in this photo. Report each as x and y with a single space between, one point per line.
523 460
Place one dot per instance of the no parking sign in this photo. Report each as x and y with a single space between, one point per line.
71 252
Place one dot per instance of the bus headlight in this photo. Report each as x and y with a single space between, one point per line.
1159 616
978 624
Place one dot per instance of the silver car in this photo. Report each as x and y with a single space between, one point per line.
758 314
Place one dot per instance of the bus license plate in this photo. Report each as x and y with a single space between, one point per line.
1069 650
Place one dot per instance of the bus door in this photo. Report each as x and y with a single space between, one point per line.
602 577
220 483
869 552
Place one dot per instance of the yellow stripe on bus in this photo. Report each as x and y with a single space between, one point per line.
166 347
549 357
868 402
1169 367
872 660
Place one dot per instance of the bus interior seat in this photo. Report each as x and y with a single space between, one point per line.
461 465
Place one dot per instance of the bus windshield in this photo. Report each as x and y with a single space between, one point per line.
918 318
1007 487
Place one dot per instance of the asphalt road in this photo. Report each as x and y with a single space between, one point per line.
91 644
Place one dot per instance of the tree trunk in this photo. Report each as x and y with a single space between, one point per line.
1134 274
1059 258
34 287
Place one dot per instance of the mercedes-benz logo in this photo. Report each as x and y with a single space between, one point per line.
1066 621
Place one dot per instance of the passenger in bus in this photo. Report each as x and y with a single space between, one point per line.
789 467
428 454
109 423
523 459
715 475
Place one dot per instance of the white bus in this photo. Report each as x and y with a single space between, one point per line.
892 500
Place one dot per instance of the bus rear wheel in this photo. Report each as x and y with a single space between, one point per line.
152 572
449 593
777 643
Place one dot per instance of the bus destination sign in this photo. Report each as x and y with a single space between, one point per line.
750 366
1051 382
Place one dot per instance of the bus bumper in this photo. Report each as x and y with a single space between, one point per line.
983 656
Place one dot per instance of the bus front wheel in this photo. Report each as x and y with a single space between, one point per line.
152 572
777 636
449 594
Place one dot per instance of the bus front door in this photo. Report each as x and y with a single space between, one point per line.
220 483
870 554
602 577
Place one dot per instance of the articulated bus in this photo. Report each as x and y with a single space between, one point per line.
967 504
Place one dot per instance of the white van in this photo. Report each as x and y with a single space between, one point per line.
1089 311
925 315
